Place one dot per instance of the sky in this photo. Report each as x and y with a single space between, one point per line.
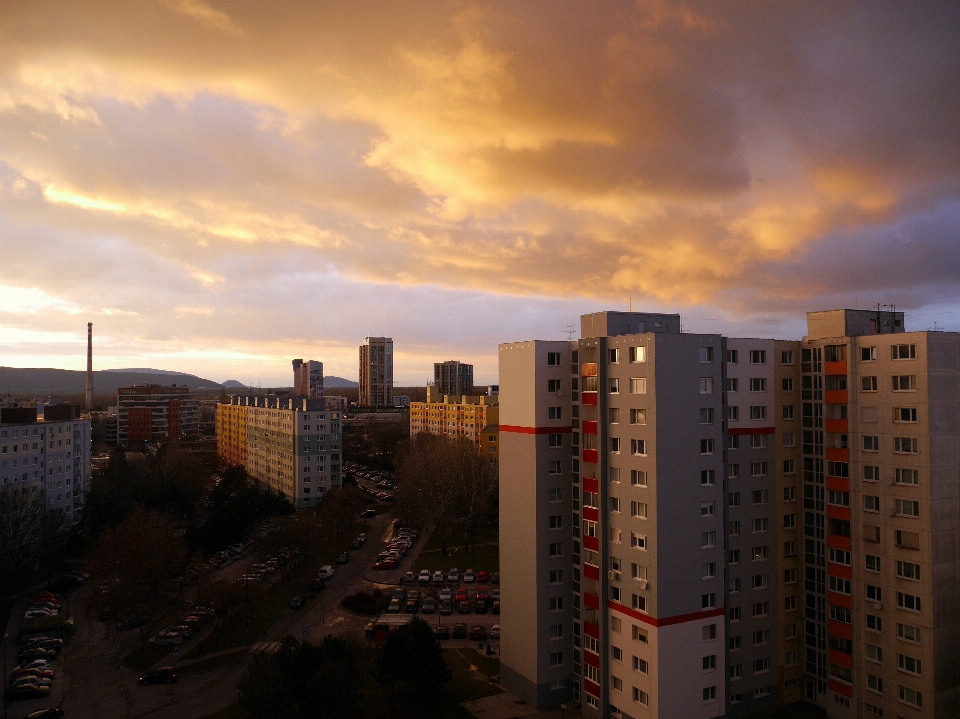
222 186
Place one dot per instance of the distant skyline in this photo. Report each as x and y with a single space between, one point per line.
297 176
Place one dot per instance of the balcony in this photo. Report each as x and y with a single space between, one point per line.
588 369
835 396
588 399
590 427
591 456
591 601
593 544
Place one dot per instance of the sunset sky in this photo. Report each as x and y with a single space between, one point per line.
221 186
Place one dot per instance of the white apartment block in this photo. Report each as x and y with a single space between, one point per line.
702 526
46 460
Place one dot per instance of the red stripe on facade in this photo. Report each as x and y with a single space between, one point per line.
591 514
591 601
838 484
840 629
752 430
592 659
591 629
844 660
834 454
838 512
840 600
591 456
591 484
839 570
838 542
841 688
591 543
516 429
590 688
590 571
667 621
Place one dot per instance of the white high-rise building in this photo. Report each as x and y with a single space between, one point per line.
308 379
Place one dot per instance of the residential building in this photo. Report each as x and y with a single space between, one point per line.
453 377
291 444
657 558
376 372
45 458
156 413
335 403
401 400
475 418
308 379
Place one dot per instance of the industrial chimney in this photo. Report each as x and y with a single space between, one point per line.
89 366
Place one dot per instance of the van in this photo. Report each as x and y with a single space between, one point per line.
326 571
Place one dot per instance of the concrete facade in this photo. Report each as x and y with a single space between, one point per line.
752 522
453 377
288 444
155 413
46 460
376 372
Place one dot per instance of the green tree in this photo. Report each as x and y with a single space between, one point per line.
303 681
412 656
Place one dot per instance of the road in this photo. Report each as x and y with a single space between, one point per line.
92 683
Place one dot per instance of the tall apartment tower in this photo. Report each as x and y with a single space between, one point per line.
308 379
453 378
376 372
702 526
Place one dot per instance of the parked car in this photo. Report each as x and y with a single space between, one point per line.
162 675
468 577
385 564
424 577
30 680
482 594
477 633
461 595
38 673
343 557
438 577
409 578
495 631
482 577
495 578
445 593
480 608
48 713
26 655
54 644
446 607
442 632
496 607
362 538
318 585
411 606
33 664
355 544
464 607
369 513
298 602
453 575
326 571
459 630
26 691
429 606
393 607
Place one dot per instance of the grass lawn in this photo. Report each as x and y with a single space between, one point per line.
486 558
205 665
488 665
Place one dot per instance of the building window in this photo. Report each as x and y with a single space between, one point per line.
638 416
556 604
908 695
733 384
904 383
638 385
908 570
613 474
639 603
555 440
909 602
758 384
638 509
555 549
554 412
874 683
734 528
638 478
614 355
733 413
906 540
908 664
638 447
556 495
733 556
638 541
555 521
868 384
733 356
708 477
706 385
641 697
638 354
871 474
706 415
871 444
614 384
789 549
790 605
758 412
555 467
761 666
868 354
789 576
556 659
906 508
614 414
705 354
710 693
706 446
906 476
556 576
553 359
639 634
709 662
905 414
758 356
902 352
706 509
709 570
708 539
908 633
553 385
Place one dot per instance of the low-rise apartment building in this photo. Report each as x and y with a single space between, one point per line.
155 413
290 444
475 418
48 460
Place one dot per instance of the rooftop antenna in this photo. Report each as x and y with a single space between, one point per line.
631 303
569 330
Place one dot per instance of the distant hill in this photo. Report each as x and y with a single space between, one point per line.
338 382
233 384
63 381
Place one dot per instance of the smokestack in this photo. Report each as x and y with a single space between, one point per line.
89 366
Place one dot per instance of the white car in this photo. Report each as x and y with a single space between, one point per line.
453 575
30 614
424 577
495 631
469 576
326 571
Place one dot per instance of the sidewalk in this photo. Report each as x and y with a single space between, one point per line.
507 705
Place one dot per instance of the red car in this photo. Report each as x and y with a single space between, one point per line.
482 594
461 595
38 673
483 577
385 564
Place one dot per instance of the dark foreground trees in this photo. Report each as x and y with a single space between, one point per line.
303 681
412 657
445 482
28 529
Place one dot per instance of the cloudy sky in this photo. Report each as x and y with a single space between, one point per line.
220 186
